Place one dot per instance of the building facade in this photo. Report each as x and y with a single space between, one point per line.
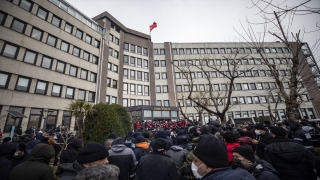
52 54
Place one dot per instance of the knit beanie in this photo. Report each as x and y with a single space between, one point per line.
159 146
146 135
212 152
117 141
259 126
279 131
230 137
92 152
246 152
140 139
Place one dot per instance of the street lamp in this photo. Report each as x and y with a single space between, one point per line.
45 115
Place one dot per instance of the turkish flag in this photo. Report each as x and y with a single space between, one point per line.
154 25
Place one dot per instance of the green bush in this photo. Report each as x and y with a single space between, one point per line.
104 120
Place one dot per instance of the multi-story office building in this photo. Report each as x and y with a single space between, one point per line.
51 54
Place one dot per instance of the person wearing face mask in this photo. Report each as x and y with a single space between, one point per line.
263 138
37 166
211 162
20 155
243 157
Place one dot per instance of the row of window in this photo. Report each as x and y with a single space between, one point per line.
236 86
24 83
114 39
136 62
136 49
221 62
113 53
135 75
163 103
159 52
222 74
114 83
11 51
56 21
164 89
19 26
228 50
111 99
134 102
136 89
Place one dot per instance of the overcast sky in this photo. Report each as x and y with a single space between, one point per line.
193 20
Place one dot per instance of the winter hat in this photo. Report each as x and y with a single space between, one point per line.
279 131
22 147
112 135
92 152
242 133
229 136
259 126
117 141
159 146
246 152
140 139
8 149
212 152
7 139
183 140
146 135
294 126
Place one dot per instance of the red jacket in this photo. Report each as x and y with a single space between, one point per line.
138 126
230 147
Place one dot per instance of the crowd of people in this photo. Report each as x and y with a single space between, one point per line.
170 151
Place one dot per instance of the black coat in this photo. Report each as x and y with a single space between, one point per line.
156 166
264 140
262 170
139 152
290 159
21 159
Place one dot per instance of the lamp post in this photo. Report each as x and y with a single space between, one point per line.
45 114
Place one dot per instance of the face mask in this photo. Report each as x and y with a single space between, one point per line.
257 132
237 163
16 154
194 169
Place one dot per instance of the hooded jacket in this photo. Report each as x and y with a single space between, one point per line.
161 135
7 151
141 150
301 136
178 155
262 170
68 171
230 147
36 167
71 153
124 158
291 160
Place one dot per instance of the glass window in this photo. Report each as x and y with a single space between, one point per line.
155 51
125 73
51 40
116 41
115 84
64 46
91 96
95 59
195 51
93 77
2 18
11 120
188 51
66 119
245 86
60 67
263 99
174 51
125 60
126 47
177 75
26 5
46 62
114 100
202 51
88 39
241 100
164 75
162 52
125 88
145 63
166 103
146 91
163 63
18 26
83 74
249 100
73 71
156 63
4 80
132 61
115 68
133 48
108 82
81 94
159 103
96 43
132 74
146 76
42 13
253 86
107 99
36 34
76 51
56 21
56 90
139 75
259 86
158 89
132 89
116 54
30 57
79 34
139 50
68 28
165 89
139 62
86 56
181 51
125 102
238 86
70 93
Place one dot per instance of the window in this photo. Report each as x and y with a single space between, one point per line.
177 74
163 63
96 43
95 59
234 100
110 51
266 85
132 74
245 86
241 100
228 50
139 62
93 77
186 88
263 99
26 5
115 68
181 51
216 87
60 67
132 89
88 39
179 88
30 57
139 75
157 75
156 63
86 56
145 64
126 47
108 82
286 85
146 91
42 13
116 41
125 73
91 96
51 40
255 73
188 102
139 50
76 51
133 48
83 74
132 102
159 103
165 88
218 62
56 90
81 94
222 51
238 86
70 93
73 71
155 51
215 50
223 87
46 62
68 28
164 75
4 80
259 86
11 121
79 34
66 119
107 99
115 84
158 89
249 100
126 60
166 103
139 89
174 51
214 74
18 26
146 76
199 74
64 46
188 51
266 50
114 100
182 63
195 51
202 51
132 61
262 73
253 86
162 52
273 85
111 37
36 34
56 21
116 54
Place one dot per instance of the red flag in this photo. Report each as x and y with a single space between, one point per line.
154 25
